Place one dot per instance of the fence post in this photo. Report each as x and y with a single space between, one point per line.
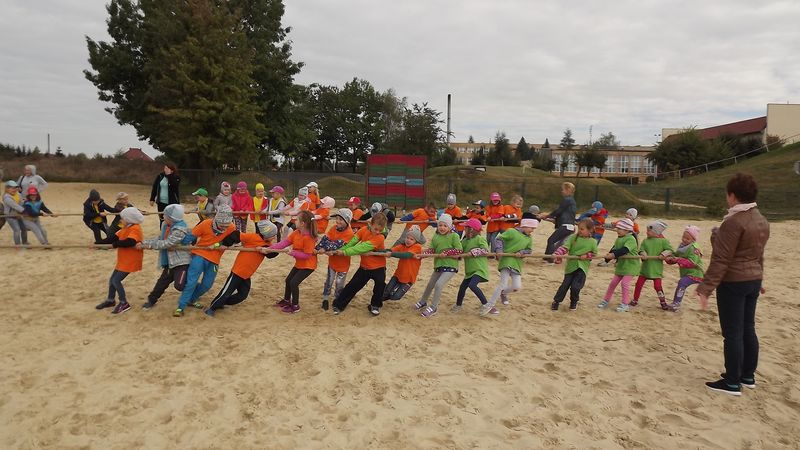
596 192
450 186
522 189
666 200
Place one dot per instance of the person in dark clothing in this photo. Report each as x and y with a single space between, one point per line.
94 216
564 217
166 189
376 208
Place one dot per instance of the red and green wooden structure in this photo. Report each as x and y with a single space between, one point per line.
397 180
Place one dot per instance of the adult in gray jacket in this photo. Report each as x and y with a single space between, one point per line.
30 178
564 217
736 271
174 263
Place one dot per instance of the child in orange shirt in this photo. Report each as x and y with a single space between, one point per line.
302 240
368 239
478 211
313 195
513 213
494 213
129 258
426 215
354 204
408 268
338 266
237 286
321 214
455 213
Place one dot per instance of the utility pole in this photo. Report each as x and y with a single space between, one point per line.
448 120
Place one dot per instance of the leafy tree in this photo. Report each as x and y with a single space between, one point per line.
607 142
501 154
680 151
471 140
565 159
59 152
567 141
524 152
421 134
544 162
479 157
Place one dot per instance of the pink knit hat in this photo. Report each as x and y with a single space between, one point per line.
528 223
241 185
624 224
494 196
473 223
693 231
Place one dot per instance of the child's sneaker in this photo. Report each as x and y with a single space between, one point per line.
456 308
336 311
374 310
419 305
209 312
324 305
494 311
291 309
281 303
622 308
634 302
196 305
602 264
664 306
484 309
148 305
675 306
428 312
504 299
121 308
603 304
178 313
554 306
106 304
573 306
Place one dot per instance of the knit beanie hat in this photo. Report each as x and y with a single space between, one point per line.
345 214
597 206
446 219
657 226
528 223
624 224
633 212
131 215
174 212
224 185
93 194
416 234
495 196
328 202
473 223
241 185
534 209
376 208
451 199
259 186
303 192
223 216
267 229
693 231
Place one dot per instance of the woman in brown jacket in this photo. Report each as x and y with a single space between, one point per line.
736 271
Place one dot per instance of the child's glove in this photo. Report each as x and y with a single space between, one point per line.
428 251
560 251
452 252
684 263
479 252
524 252
589 255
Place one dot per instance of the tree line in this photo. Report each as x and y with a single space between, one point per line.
210 83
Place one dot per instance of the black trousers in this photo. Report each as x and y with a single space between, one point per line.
359 280
176 276
161 207
293 280
555 240
471 283
573 281
736 303
234 291
98 228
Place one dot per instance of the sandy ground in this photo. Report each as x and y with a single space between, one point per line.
74 377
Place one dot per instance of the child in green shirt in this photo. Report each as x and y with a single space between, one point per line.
626 268
653 269
689 258
444 243
476 267
583 245
514 240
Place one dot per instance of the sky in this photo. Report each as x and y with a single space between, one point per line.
532 69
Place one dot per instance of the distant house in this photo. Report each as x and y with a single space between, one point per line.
136 154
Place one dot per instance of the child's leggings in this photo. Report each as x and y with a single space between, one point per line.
626 288
573 282
115 285
471 283
491 238
637 292
36 227
240 223
395 290
18 230
293 280
198 267
235 291
335 280
683 284
437 282
510 281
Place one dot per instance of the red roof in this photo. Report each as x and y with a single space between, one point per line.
743 127
136 154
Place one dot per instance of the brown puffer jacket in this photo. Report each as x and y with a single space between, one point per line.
737 250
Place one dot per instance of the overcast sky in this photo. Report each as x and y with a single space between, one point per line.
528 68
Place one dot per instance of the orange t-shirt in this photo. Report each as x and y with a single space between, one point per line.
494 210
322 224
206 237
420 215
314 200
129 259
357 213
340 263
306 206
408 269
455 213
370 262
247 263
635 228
508 210
303 243
476 215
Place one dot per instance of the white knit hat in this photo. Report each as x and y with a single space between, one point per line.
131 215
174 212
447 219
633 212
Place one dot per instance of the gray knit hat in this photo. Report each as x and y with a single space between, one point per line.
657 226
376 208
447 219
345 214
174 212
451 199
533 209
415 233
267 229
223 216
131 215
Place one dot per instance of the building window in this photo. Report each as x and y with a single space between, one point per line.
623 164
636 164
611 164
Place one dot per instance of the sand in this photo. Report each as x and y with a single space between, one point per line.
252 377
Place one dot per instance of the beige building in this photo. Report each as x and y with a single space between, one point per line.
783 120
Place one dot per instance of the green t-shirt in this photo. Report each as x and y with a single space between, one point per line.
476 266
627 266
578 246
513 241
442 242
693 254
653 268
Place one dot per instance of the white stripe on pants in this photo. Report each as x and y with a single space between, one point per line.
510 281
